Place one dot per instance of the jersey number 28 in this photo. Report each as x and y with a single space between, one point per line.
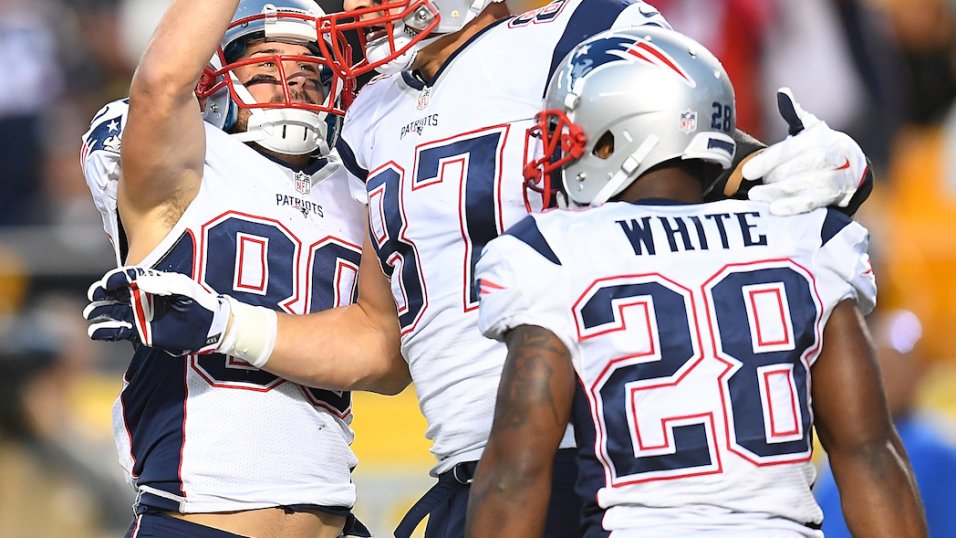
654 419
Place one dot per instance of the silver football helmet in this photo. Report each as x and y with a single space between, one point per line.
393 31
623 102
287 125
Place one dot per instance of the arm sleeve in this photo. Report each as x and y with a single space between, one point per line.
349 159
358 122
357 188
844 253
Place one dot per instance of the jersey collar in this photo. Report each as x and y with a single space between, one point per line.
661 201
414 79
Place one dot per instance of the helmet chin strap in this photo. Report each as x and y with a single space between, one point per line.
288 131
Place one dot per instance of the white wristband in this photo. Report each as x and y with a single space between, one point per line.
250 334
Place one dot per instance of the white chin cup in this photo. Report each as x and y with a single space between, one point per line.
287 130
378 50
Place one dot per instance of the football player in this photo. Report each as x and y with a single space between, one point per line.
694 346
439 143
250 203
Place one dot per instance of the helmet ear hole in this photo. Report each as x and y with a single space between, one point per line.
604 147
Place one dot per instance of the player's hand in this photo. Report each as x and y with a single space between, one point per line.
813 167
168 311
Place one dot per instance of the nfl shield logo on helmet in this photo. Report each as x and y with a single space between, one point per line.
688 121
303 183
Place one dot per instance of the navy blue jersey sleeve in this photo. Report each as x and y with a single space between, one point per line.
348 159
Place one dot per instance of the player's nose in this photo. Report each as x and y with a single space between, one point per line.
370 13
352 5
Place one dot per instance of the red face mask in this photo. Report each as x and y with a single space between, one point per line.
561 142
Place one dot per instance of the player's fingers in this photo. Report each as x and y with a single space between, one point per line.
165 283
786 104
173 284
118 278
766 193
96 292
98 310
110 331
802 203
777 163
796 117
101 289
767 159
806 145
790 184
801 171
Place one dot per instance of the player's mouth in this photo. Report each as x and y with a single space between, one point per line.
375 34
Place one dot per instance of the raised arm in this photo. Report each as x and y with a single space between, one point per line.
872 472
164 141
509 496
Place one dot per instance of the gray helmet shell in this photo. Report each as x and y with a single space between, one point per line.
658 93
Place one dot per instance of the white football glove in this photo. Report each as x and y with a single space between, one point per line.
813 167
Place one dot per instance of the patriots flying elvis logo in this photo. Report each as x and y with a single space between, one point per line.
623 48
104 137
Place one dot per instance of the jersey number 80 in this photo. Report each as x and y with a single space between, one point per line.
260 261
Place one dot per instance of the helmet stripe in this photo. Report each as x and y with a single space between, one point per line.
659 59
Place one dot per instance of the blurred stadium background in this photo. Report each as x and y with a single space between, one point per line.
882 70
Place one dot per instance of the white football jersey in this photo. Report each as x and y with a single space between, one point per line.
210 433
443 163
692 329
